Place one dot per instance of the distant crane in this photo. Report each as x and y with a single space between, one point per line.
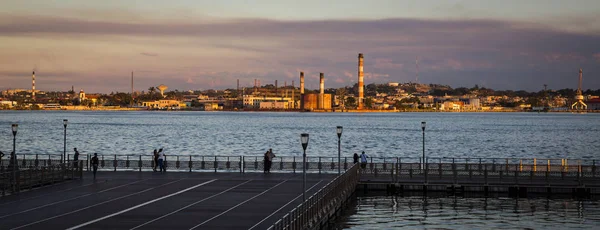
579 105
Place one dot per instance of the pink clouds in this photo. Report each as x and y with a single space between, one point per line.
597 57
562 57
385 63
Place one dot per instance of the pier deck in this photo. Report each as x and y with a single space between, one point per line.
152 200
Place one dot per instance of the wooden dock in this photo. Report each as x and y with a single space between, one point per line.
153 200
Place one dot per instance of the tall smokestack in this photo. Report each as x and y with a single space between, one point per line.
238 87
322 83
276 88
131 89
361 81
33 86
321 91
302 90
255 85
293 95
301 83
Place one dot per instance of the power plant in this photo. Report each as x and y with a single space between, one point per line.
315 101
579 105
361 81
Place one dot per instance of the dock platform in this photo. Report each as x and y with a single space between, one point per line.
154 200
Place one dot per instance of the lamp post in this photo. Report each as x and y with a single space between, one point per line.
65 122
423 128
13 159
339 133
304 140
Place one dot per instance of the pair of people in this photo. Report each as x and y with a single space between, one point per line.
159 160
363 159
268 159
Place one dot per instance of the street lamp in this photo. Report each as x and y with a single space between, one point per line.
13 158
304 140
423 128
339 133
65 121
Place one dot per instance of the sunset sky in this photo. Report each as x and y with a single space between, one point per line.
189 45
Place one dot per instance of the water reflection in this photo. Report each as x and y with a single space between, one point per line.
418 212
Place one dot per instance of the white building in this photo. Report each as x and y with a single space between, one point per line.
254 102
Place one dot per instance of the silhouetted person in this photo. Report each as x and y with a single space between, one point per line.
266 162
270 157
1 165
75 158
95 164
161 160
363 160
155 158
355 158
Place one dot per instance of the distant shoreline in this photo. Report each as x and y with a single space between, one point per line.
314 111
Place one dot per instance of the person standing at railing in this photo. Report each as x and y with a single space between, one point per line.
266 162
75 158
154 160
363 160
355 158
95 164
161 160
1 165
270 157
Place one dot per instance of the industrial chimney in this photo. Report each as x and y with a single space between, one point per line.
302 90
33 86
320 104
361 81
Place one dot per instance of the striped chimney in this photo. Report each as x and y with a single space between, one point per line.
33 86
302 83
302 90
361 81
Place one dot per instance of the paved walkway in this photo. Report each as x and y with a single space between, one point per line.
146 200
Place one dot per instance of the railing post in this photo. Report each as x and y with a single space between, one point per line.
190 163
593 168
216 164
115 162
440 168
140 163
426 169
240 164
454 173
319 165
294 164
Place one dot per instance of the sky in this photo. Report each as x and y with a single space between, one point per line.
197 44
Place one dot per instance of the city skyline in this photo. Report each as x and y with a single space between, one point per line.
189 45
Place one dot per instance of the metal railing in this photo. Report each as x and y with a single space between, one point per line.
395 166
28 177
484 170
322 205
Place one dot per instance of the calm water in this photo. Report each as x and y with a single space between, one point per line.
389 212
519 135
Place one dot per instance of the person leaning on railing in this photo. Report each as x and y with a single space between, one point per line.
95 164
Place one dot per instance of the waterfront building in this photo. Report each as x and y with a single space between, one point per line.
254 102
164 104
593 104
311 101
